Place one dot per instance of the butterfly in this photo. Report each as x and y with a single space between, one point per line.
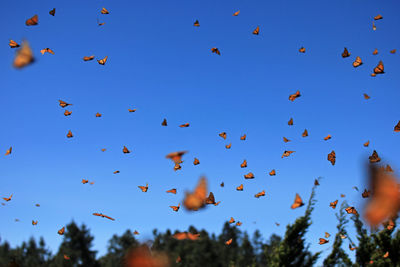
357 62
250 175
388 168
48 50
63 104
244 164
366 96
389 224
61 231
13 44
69 134
104 11
172 191
177 167
196 23
379 69
232 220
210 199
100 23
345 53
7 198
378 17
397 127
332 157
88 58
67 113
131 110
272 173
333 204
393 51
223 135
175 208
135 232
323 241
298 202
103 216
385 200
98 115
305 133
386 254
102 61
66 257
91 183
260 194
239 223
196 200
287 153
23 56
236 13
352 248
373 26
243 137
228 242
327 137
125 150
178 259
196 161
316 182
342 195
239 188
228 146
292 97
374 157
256 31
186 235
277 224
164 122
84 181
176 157
32 21
115 172
285 140
355 188
366 193
184 125
351 210
375 52
222 184
52 12
144 188
37 205
366 144
290 122
302 49
327 235
216 51
8 152
34 222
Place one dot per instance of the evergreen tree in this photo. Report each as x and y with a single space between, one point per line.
246 256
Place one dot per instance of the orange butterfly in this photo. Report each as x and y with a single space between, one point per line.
69 134
231 220
67 113
63 104
272 173
239 223
32 21
13 44
373 26
292 97
352 248
88 58
366 144
23 56
260 194
298 202
327 137
287 153
228 146
103 216
378 17
357 62
52 12
104 11
305 133
374 157
176 157
379 69
366 193
216 51
316 182
125 150
115 172
244 164
243 137
386 254
290 122
323 241
223 135
210 199
250 175
102 61
228 242
172 191
342 195
186 235
196 23
144 188
178 260
366 96
144 256
61 231
351 210
103 150
175 208
236 13
84 181
216 204
8 152
388 168
91 183
196 200
34 222
332 157
131 110
397 127
222 184
389 224
184 125
375 52
164 122
7 198
345 53
256 31
302 49
393 51
239 188
285 140
333 204
66 257
177 167
98 115
327 235
48 50
136 232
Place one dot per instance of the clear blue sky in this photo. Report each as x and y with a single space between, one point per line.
162 65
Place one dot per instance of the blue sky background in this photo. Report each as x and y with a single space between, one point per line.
162 65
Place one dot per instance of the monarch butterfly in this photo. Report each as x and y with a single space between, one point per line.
216 204
298 202
357 62
386 254
32 21
327 235
100 23
232 220
48 50
223 135
389 224
290 122
135 232
178 259
210 199
236 13
388 168
366 144
239 223
103 216
374 157
332 157
104 11
352 248
186 235
196 23
393 51
287 153
172 191
84 181
216 51
375 52
88 58
52 12
351 210
272 173
305 133
175 208
243 137
7 198
131 110
323 241
196 161
98 115
378 17
69 134
228 242
342 195
115 172
102 61
373 26
285 140
316 182
260 194
302 49
164 122
13 44
144 188
250 175
66 257
8 152
366 96
63 104
326 138
379 69
196 200
67 113
256 31
37 205
125 150
345 53
333 204
366 193
239 188
23 56
176 157
294 96
91 183
228 146
34 222
184 125
177 167
61 231
244 164
222 184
